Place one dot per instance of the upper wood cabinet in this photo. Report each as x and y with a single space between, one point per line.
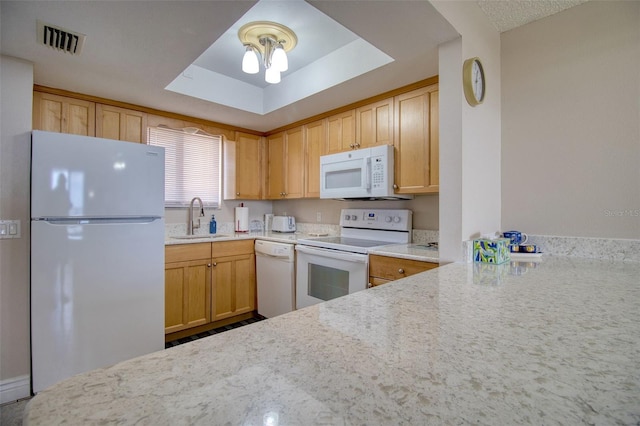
121 124
417 141
243 171
315 142
62 114
286 164
341 132
374 124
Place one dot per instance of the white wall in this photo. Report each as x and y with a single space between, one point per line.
469 136
16 88
571 123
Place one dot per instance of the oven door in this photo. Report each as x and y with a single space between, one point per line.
324 274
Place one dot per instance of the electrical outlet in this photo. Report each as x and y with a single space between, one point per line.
9 229
318 217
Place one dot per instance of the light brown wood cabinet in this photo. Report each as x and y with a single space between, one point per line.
341 132
208 282
374 124
384 269
121 124
233 279
315 141
54 113
417 141
286 164
187 286
243 169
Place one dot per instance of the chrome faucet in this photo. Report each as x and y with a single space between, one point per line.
190 224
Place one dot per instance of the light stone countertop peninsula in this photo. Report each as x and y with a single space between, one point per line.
552 343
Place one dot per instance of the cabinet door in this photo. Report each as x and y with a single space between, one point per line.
243 169
121 124
294 160
276 149
61 114
315 145
374 124
341 134
234 286
234 279
187 294
415 159
245 284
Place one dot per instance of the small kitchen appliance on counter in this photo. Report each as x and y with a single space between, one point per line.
284 224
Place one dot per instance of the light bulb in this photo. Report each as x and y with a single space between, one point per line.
272 75
250 63
279 59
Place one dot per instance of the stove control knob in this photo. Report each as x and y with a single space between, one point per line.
354 217
396 219
347 217
387 219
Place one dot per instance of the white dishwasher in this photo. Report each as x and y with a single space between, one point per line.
275 272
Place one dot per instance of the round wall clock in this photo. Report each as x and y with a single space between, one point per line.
473 81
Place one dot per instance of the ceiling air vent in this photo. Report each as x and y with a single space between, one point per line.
60 38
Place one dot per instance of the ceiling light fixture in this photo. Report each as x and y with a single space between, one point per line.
272 41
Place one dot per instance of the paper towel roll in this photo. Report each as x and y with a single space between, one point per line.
242 219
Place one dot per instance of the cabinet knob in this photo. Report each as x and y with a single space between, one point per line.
401 271
351 146
237 193
395 186
208 265
357 145
215 263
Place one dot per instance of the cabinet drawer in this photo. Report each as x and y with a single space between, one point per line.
184 252
392 268
231 248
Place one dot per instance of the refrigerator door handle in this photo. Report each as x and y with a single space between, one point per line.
96 221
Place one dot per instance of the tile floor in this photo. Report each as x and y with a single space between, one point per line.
11 412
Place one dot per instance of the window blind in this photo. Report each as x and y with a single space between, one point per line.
192 166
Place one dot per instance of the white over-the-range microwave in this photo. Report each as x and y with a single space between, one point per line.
365 173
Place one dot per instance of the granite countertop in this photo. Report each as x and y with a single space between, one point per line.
556 342
284 237
420 252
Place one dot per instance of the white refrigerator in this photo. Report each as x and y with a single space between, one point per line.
97 254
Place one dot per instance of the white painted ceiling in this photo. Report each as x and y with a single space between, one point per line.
135 49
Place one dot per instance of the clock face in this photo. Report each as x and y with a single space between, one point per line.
473 81
477 80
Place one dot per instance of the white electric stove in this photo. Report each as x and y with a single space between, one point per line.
330 267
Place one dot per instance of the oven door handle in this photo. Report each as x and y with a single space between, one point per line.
333 254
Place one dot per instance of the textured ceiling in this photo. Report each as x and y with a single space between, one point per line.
506 15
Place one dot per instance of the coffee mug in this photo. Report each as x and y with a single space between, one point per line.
516 237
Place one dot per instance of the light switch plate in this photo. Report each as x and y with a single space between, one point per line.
9 229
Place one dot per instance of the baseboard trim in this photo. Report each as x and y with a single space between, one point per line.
15 388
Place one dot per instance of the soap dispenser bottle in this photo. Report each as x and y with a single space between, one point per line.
212 225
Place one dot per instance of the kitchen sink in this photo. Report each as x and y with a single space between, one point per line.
200 237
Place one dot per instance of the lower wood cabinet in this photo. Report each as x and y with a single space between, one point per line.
384 269
187 283
234 279
208 282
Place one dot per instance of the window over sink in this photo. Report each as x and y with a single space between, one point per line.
193 165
